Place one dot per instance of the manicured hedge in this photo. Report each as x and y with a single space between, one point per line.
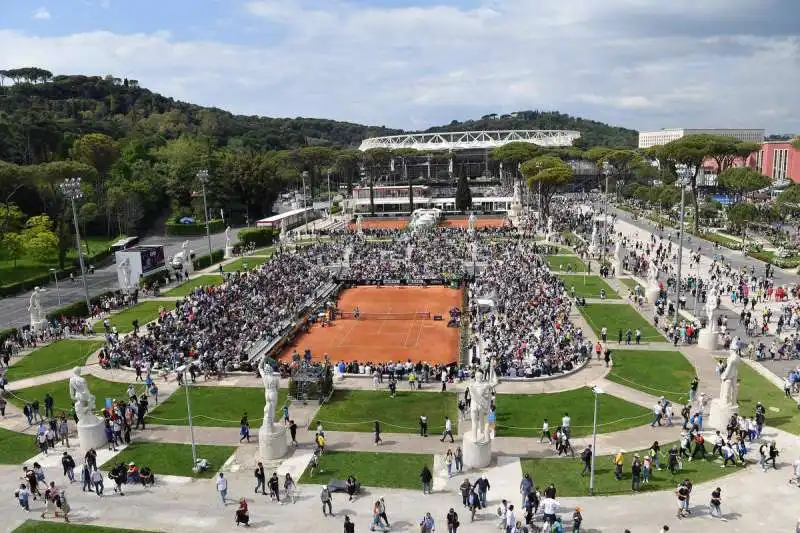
77 309
6 333
194 230
259 237
204 261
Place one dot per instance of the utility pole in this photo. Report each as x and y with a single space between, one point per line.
680 254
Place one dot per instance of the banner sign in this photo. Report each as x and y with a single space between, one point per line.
417 282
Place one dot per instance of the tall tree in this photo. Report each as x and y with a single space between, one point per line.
514 154
742 180
463 194
690 151
375 159
346 165
548 173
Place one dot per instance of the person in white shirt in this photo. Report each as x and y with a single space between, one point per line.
550 507
545 432
448 429
565 420
222 487
511 519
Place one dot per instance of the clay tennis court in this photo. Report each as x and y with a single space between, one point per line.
394 223
374 339
481 222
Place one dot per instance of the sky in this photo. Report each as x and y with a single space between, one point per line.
412 64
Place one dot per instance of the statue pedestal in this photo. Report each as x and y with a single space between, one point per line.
708 339
720 414
652 293
188 265
91 433
38 324
476 454
229 252
272 444
338 376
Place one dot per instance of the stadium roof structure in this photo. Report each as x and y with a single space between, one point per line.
471 140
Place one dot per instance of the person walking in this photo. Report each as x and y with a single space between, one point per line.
427 524
222 488
448 429
586 458
349 527
448 461
325 498
274 487
426 477
293 432
377 433
261 479
68 463
452 521
459 459
290 488
715 503
96 478
382 512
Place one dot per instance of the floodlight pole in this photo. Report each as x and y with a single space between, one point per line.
680 256
597 391
71 188
202 177
189 413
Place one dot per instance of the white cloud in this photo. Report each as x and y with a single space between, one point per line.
42 14
628 62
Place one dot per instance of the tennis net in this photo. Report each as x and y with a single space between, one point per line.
424 315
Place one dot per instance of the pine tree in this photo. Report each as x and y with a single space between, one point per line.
463 195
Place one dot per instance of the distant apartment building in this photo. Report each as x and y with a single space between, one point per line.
778 160
655 138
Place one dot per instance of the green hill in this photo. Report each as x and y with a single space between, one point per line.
41 115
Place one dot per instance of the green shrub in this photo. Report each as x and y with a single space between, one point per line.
77 309
194 230
162 276
6 333
205 261
259 237
336 208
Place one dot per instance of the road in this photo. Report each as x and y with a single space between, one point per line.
737 260
14 310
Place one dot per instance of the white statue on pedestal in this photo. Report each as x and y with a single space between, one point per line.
652 274
272 442
471 222
35 308
480 390
227 236
728 389
270 380
124 269
84 400
711 305
517 198
593 240
360 224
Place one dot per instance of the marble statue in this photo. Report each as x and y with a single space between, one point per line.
79 393
480 390
549 226
712 300
35 307
270 380
360 224
652 274
227 237
728 391
185 248
517 199
124 268
593 240
471 222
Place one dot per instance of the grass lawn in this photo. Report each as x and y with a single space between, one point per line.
589 286
169 459
371 469
521 415
144 312
216 407
562 263
630 283
566 473
782 413
59 390
357 410
55 357
252 262
16 448
268 251
616 316
659 373
200 281
26 267
36 526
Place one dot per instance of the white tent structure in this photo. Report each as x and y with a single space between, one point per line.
424 218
